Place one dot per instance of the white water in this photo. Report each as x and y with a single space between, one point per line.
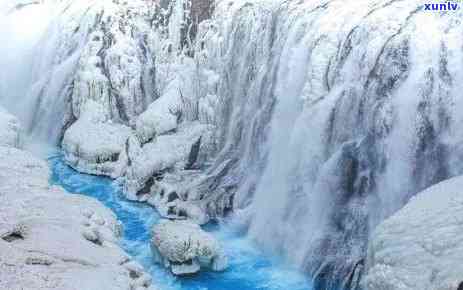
20 32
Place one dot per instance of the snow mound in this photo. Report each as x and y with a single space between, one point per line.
50 239
10 130
421 246
93 145
184 248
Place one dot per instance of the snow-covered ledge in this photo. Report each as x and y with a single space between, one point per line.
185 248
93 144
421 246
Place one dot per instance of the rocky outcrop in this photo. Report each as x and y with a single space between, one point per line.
166 152
420 247
93 144
184 248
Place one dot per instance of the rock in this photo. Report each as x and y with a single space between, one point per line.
88 213
161 117
186 268
135 269
92 235
92 144
176 208
420 247
163 153
185 248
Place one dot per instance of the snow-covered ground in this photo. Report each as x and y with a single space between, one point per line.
421 246
50 239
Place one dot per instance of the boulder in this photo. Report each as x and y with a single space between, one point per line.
93 145
185 248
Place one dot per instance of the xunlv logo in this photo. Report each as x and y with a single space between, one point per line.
449 6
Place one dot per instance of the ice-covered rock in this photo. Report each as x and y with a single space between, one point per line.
185 248
50 239
162 116
168 197
166 152
93 144
421 246
10 130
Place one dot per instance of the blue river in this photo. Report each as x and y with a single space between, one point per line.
248 268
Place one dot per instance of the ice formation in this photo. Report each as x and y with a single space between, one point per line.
315 120
420 247
184 248
93 144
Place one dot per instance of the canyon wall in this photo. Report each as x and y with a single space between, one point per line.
312 121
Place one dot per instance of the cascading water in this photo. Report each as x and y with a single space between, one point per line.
21 29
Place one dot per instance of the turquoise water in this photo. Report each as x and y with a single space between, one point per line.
248 268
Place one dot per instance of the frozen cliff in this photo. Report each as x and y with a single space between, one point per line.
313 121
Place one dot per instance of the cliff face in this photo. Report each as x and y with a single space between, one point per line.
312 120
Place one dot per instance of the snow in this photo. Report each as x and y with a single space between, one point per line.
170 202
165 152
184 247
161 116
51 239
421 246
10 130
44 233
92 144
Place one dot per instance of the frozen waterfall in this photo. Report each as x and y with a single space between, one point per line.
312 121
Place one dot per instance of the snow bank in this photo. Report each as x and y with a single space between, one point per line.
10 130
184 248
92 144
421 246
50 239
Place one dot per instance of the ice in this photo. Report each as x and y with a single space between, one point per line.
185 248
93 144
420 246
